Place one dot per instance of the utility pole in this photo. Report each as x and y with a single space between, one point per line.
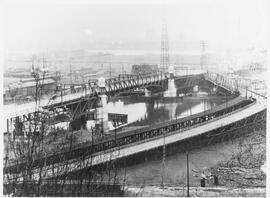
110 70
61 92
187 175
204 107
92 136
203 56
43 62
176 110
115 137
163 159
70 73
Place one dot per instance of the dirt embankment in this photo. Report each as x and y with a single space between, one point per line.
244 169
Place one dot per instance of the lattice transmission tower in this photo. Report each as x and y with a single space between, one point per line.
164 55
203 60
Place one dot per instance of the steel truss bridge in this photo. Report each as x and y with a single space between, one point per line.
222 119
122 83
221 81
82 106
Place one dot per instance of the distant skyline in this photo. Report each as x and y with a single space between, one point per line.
224 24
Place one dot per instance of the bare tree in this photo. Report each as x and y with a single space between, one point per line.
30 157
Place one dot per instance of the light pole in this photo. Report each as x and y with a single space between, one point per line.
61 92
176 110
163 159
187 174
204 107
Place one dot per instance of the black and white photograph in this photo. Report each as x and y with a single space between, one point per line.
133 98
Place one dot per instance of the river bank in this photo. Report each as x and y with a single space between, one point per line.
242 174
245 167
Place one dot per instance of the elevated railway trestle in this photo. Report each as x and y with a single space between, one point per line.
124 140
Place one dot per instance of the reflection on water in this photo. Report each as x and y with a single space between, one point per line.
148 111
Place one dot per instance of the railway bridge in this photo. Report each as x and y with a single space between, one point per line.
122 83
79 107
221 82
235 117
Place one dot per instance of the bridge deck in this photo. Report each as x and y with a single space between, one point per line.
13 110
209 111
140 135
148 144
180 135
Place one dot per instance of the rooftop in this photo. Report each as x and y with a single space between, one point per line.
31 83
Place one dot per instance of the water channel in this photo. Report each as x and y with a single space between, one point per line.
145 111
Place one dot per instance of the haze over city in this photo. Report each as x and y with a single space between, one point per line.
225 25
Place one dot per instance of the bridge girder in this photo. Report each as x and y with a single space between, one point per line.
132 82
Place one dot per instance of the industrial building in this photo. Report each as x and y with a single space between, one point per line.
26 88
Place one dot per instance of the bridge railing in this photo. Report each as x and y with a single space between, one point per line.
260 97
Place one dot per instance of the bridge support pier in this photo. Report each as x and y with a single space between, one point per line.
171 92
102 109
147 93
214 89
102 114
195 90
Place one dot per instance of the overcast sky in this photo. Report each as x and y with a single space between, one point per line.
32 27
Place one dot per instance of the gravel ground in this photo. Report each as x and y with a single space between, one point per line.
157 191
